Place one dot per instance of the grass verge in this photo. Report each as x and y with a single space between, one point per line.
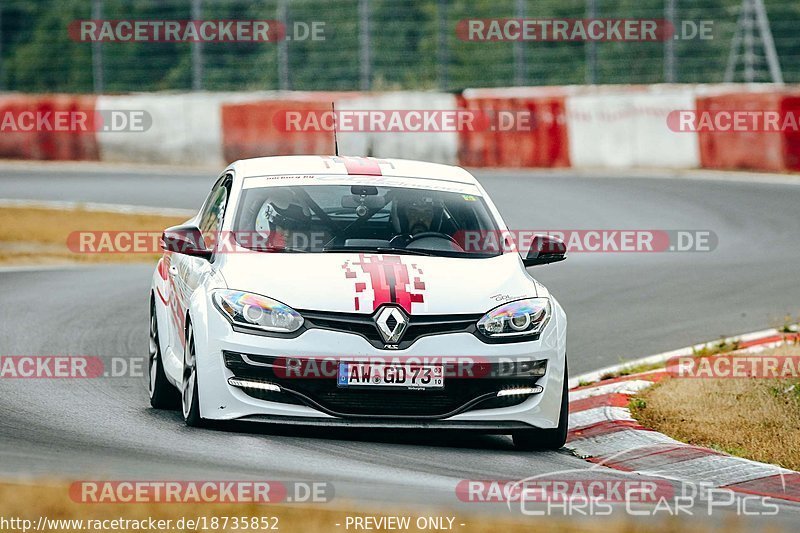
39 236
754 418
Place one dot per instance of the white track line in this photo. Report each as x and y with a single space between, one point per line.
38 268
648 173
593 376
106 167
98 207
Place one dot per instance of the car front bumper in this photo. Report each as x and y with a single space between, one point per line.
221 401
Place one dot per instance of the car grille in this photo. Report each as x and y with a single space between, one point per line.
459 394
364 325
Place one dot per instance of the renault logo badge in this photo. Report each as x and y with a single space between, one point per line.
391 323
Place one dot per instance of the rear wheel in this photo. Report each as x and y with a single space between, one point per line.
547 439
162 394
190 397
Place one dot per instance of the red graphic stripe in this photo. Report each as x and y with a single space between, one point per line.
161 296
163 268
389 280
362 166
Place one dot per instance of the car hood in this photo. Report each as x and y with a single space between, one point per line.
360 283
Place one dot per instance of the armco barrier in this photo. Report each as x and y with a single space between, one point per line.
48 145
628 128
542 143
250 129
775 151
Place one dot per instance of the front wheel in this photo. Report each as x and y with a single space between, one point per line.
547 439
190 397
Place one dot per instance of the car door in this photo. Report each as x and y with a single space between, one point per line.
188 272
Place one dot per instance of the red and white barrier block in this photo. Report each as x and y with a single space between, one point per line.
603 431
636 126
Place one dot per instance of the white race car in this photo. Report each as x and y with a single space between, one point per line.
359 292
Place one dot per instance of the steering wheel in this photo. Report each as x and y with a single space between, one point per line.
425 234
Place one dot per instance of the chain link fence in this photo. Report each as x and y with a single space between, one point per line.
390 44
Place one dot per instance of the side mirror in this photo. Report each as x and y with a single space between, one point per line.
545 249
187 240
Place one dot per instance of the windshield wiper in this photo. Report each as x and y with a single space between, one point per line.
378 249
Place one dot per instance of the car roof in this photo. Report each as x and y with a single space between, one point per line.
347 165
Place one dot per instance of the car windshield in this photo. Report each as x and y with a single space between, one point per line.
361 218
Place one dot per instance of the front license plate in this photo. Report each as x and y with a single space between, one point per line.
412 377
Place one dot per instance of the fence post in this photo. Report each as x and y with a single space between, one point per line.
2 70
669 43
283 49
769 44
364 44
591 46
442 52
197 49
97 51
519 49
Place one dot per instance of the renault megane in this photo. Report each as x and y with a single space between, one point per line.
358 292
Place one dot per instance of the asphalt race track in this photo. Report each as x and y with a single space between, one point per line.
620 306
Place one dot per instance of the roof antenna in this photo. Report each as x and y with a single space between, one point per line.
335 139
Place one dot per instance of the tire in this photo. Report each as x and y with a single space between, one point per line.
190 394
162 394
547 439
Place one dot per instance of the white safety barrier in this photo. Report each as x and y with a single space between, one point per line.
436 147
629 129
186 128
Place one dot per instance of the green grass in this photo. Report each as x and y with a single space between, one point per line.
631 369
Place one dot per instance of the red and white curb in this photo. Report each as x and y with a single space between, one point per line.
602 431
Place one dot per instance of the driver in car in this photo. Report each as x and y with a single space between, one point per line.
418 213
281 217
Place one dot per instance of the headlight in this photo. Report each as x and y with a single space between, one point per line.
516 319
256 311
